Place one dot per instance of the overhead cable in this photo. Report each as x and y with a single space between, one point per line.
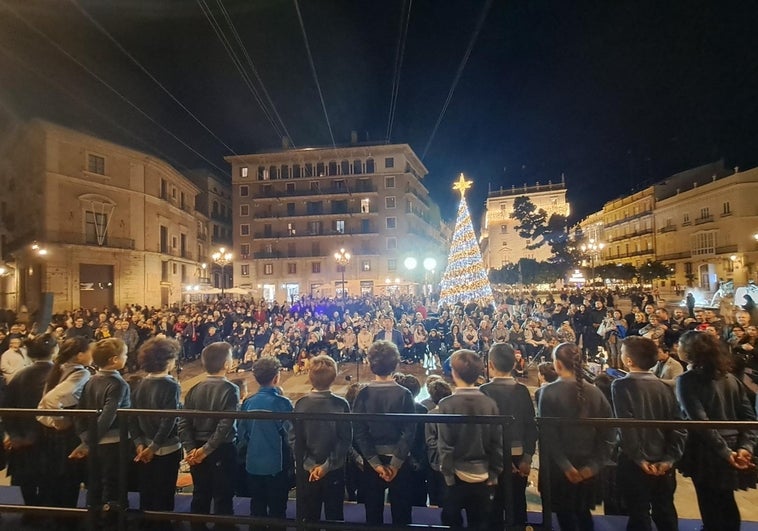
405 17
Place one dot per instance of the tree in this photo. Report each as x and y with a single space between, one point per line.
531 221
508 274
616 271
465 279
654 269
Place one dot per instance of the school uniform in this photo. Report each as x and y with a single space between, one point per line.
385 443
211 479
567 445
326 445
513 400
642 396
471 459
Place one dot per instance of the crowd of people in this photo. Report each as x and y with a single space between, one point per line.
693 364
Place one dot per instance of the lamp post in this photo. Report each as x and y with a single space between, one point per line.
594 249
222 258
430 264
343 259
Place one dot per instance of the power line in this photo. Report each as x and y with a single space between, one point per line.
210 17
108 85
250 63
458 73
313 71
405 18
147 73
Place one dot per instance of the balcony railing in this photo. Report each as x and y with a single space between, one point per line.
703 219
668 228
308 234
78 238
278 255
321 190
675 256
283 214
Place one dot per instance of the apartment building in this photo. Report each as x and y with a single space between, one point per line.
214 202
293 209
629 225
92 222
502 244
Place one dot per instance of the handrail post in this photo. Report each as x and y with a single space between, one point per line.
123 470
544 480
299 473
93 468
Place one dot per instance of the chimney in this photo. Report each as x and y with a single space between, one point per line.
353 138
285 142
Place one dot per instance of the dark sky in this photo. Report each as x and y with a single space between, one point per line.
611 93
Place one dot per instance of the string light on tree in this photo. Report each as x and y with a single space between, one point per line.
465 279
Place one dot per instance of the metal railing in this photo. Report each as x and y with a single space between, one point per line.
298 419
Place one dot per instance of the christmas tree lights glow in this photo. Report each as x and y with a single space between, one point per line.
465 279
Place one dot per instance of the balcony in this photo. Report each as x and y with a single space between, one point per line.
703 219
412 190
668 228
631 235
726 249
282 214
275 193
675 256
283 255
77 238
275 235
629 218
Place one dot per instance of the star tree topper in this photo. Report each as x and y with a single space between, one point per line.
462 185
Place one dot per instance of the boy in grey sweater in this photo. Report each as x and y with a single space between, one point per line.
471 455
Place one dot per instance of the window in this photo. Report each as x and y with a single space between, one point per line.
365 209
182 201
174 268
339 226
314 186
291 268
366 265
245 270
705 212
291 229
345 167
291 250
389 162
164 271
339 207
290 188
296 174
314 228
284 171
686 219
365 226
245 229
266 189
314 207
268 269
244 190
96 164
320 169
391 223
243 171
174 242
391 264
268 248
262 173
272 172
315 249
244 210
245 249
370 166
391 244
267 230
184 273
164 189
727 209
290 209
94 228
332 168
357 167
703 243
390 202
339 185
316 267
309 170
503 229
389 181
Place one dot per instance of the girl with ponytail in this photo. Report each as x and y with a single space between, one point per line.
574 453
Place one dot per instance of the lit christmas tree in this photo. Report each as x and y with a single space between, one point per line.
465 279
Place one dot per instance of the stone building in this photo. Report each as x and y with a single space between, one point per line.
215 202
502 244
629 230
92 222
293 209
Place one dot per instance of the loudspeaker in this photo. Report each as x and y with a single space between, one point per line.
45 315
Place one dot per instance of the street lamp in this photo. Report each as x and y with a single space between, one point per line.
343 258
594 249
222 258
429 263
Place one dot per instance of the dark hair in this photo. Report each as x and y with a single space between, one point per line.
107 349
439 389
41 347
603 382
467 365
214 356
383 357
547 370
641 350
571 358
70 348
410 382
156 353
705 352
323 372
352 392
241 384
503 357
265 370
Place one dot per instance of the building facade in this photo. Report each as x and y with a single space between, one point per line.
629 229
706 231
503 244
92 222
292 210
215 202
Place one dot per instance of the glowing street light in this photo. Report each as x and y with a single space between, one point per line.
343 259
222 258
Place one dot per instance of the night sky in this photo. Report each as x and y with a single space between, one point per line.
613 94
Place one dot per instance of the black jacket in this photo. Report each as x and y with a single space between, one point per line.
212 394
109 392
513 399
326 443
155 432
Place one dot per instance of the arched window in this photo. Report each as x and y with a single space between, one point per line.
320 169
332 168
296 171
357 166
272 173
284 171
370 166
345 167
